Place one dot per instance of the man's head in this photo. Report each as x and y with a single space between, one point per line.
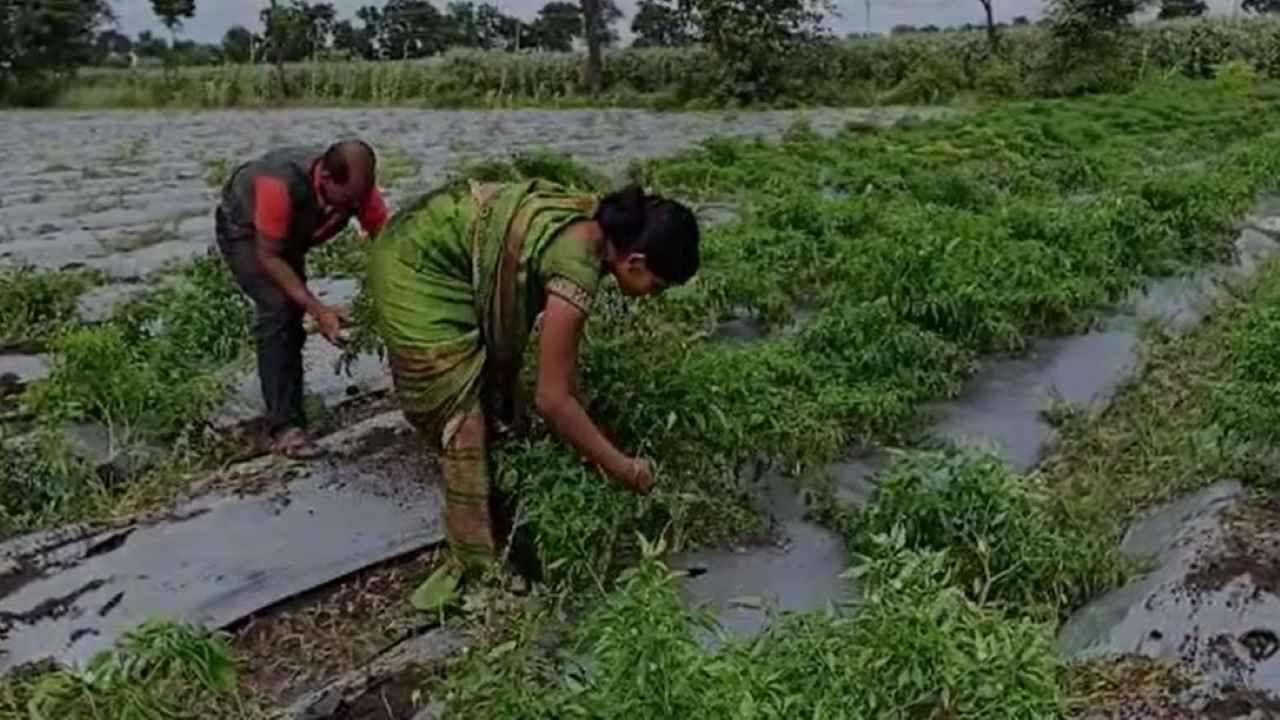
347 172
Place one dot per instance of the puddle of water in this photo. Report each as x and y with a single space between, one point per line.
1002 408
710 216
23 369
744 330
745 586
225 556
1005 403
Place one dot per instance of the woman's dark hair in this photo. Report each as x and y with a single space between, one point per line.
665 231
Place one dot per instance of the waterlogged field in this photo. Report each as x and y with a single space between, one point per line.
110 216
126 192
874 270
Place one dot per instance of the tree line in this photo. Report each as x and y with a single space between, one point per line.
753 42
299 30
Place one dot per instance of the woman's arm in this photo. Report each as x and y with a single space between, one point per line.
557 362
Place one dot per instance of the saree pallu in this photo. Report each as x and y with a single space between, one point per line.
457 280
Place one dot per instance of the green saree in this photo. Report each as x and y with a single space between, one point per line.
457 281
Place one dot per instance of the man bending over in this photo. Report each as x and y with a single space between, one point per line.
273 210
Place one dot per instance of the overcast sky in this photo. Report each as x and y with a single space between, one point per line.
213 17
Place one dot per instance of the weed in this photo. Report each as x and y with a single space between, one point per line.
1013 544
129 153
1060 413
42 481
395 165
156 367
35 304
917 647
160 669
341 257
217 170
136 239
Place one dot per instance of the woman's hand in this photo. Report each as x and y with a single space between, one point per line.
640 476
557 365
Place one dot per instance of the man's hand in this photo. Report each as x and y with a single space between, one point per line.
329 323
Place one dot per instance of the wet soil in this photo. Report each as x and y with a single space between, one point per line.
1134 687
299 645
399 697
128 192
1251 550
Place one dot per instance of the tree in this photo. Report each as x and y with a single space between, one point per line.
369 36
1089 33
412 29
594 30
497 30
43 39
237 44
993 38
112 44
299 30
148 45
1261 6
187 52
1021 21
557 24
481 26
658 23
756 42
1171 9
173 12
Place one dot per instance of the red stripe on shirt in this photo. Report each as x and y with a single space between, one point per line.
271 207
373 211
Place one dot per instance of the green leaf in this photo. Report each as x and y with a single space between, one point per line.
437 593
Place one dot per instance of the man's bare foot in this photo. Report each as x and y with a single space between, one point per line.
296 444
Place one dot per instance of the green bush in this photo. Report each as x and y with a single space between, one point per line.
159 670
917 647
158 367
41 480
1009 541
35 304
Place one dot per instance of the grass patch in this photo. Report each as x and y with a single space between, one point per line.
42 481
137 239
917 648
1011 543
1202 413
36 304
161 669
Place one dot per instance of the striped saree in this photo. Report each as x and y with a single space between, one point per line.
457 281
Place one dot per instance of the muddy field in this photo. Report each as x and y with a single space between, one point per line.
1024 386
126 192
